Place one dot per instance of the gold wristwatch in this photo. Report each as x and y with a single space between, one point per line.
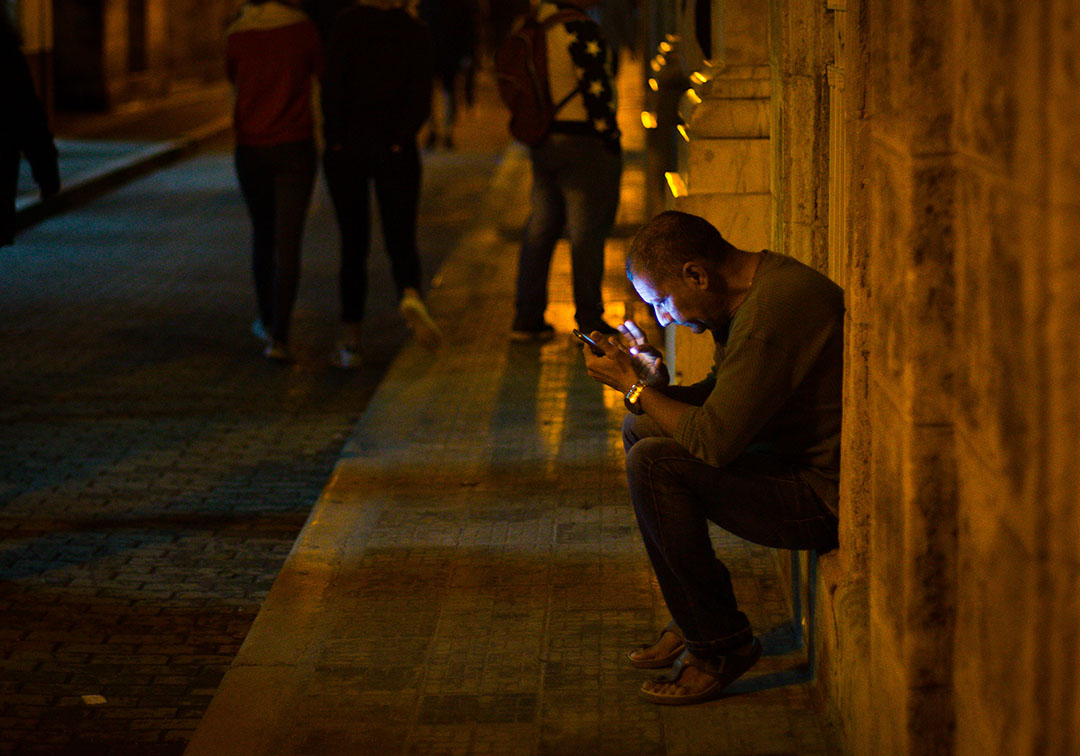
632 398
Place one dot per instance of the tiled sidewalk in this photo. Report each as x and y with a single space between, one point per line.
472 576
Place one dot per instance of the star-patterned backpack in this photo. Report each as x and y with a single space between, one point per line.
522 74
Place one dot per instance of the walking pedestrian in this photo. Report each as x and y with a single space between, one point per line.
272 56
376 96
452 24
324 13
23 131
576 169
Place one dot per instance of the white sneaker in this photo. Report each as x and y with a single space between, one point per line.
260 331
346 356
277 351
419 320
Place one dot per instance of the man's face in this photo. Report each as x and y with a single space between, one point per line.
673 301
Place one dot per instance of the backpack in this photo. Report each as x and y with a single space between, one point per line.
522 74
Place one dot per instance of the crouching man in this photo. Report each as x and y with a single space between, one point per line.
754 447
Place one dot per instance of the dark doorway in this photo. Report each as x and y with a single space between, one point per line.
137 56
78 54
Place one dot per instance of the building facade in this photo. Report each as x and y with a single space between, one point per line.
97 54
927 157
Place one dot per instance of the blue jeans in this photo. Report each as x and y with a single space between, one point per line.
576 186
675 494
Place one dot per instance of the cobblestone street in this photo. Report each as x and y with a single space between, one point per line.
154 468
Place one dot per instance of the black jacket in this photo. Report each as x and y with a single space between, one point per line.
377 88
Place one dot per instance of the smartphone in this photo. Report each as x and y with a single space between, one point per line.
596 348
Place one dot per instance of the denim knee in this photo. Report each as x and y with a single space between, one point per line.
645 452
638 427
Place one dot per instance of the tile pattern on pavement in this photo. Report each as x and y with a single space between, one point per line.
472 576
155 470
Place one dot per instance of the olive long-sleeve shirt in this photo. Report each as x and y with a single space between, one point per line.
775 386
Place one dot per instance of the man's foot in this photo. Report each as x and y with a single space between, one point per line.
693 680
534 333
660 653
419 319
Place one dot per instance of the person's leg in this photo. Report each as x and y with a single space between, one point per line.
347 178
543 229
675 494
670 640
397 187
637 427
294 181
9 187
257 188
591 187
449 91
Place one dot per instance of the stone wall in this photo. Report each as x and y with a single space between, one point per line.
927 156
960 488
105 55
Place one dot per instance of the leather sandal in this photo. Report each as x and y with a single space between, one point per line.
661 661
724 670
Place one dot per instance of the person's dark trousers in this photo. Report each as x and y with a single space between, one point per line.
9 182
277 182
575 185
396 175
675 495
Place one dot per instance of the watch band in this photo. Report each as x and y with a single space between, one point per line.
632 398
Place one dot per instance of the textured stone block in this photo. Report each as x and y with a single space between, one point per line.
887 725
856 450
798 242
805 144
890 190
730 166
746 32
742 219
929 555
1060 681
797 26
929 292
997 381
931 70
727 117
990 84
693 356
887 518
1063 418
995 680
1063 107
888 81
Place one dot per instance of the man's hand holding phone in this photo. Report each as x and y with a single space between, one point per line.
588 341
647 358
619 366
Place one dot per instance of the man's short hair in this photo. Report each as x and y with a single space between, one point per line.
663 245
